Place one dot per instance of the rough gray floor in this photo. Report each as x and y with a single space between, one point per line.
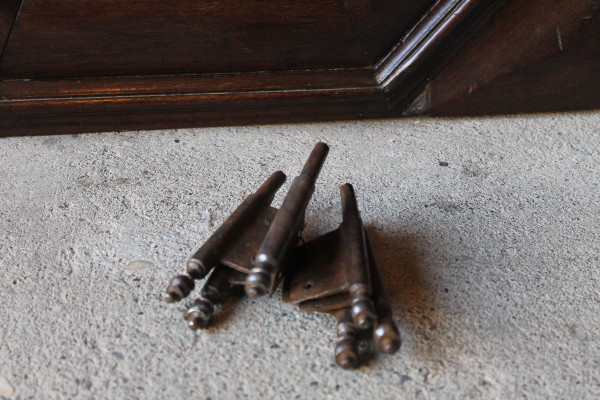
491 262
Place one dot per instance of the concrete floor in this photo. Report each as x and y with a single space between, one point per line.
491 261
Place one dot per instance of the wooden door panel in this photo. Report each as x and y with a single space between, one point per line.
534 56
8 12
57 38
89 65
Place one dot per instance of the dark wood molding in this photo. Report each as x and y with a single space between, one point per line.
428 46
8 13
421 41
147 102
462 57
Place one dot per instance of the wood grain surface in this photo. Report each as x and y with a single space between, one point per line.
84 66
82 38
535 56
8 13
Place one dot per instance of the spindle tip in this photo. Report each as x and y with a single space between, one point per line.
346 353
200 314
180 287
196 269
258 281
363 313
387 337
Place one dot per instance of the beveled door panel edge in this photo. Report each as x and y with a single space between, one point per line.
422 40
